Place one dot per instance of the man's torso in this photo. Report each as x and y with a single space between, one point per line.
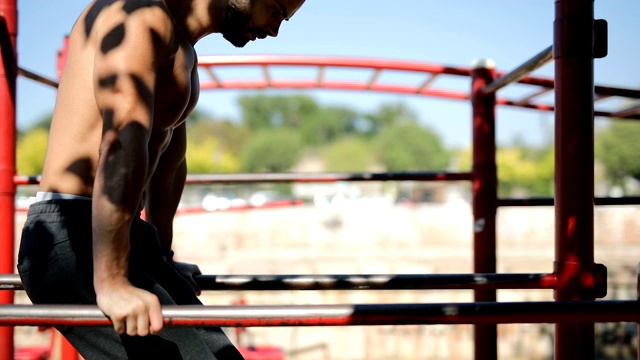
76 132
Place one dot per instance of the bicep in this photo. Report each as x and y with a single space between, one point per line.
129 51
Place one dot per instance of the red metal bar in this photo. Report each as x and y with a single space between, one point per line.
332 61
574 253
8 73
341 315
485 193
355 282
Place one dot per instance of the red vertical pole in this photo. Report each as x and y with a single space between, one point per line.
8 71
574 259
638 325
485 188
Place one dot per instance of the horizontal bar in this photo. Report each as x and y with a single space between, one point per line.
521 71
329 61
633 110
26 180
600 201
325 177
377 282
299 177
341 315
526 202
10 282
38 78
355 282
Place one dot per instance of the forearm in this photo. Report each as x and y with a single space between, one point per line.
116 197
165 187
162 200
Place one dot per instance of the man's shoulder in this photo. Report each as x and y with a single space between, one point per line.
103 15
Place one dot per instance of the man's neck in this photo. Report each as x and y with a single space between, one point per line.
197 18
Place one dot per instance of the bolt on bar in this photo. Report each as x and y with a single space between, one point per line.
355 282
521 71
341 315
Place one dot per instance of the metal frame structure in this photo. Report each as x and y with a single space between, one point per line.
576 280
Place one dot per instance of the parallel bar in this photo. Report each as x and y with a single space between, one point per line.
527 99
341 315
355 282
526 202
325 177
38 78
299 177
26 180
542 58
377 282
614 91
10 282
632 110
601 201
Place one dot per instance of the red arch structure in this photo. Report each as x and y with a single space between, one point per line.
576 280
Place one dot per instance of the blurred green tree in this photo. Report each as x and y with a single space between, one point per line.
617 148
31 148
408 146
271 150
348 154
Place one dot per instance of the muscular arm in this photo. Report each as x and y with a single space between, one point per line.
165 188
125 67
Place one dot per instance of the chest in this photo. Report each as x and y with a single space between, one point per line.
177 88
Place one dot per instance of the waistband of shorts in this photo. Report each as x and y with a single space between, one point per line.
80 207
47 195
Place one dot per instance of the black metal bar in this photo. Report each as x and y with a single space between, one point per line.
354 282
376 282
38 78
542 58
324 177
600 201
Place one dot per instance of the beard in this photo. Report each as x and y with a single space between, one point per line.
236 24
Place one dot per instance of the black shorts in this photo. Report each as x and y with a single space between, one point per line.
56 267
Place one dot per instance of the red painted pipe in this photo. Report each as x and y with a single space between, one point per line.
485 193
8 73
574 202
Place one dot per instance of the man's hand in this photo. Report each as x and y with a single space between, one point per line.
133 311
188 271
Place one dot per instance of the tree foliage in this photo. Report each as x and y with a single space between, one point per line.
524 171
271 150
30 151
410 147
348 154
617 147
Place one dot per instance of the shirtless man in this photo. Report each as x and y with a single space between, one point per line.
117 144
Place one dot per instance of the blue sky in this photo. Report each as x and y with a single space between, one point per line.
450 32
